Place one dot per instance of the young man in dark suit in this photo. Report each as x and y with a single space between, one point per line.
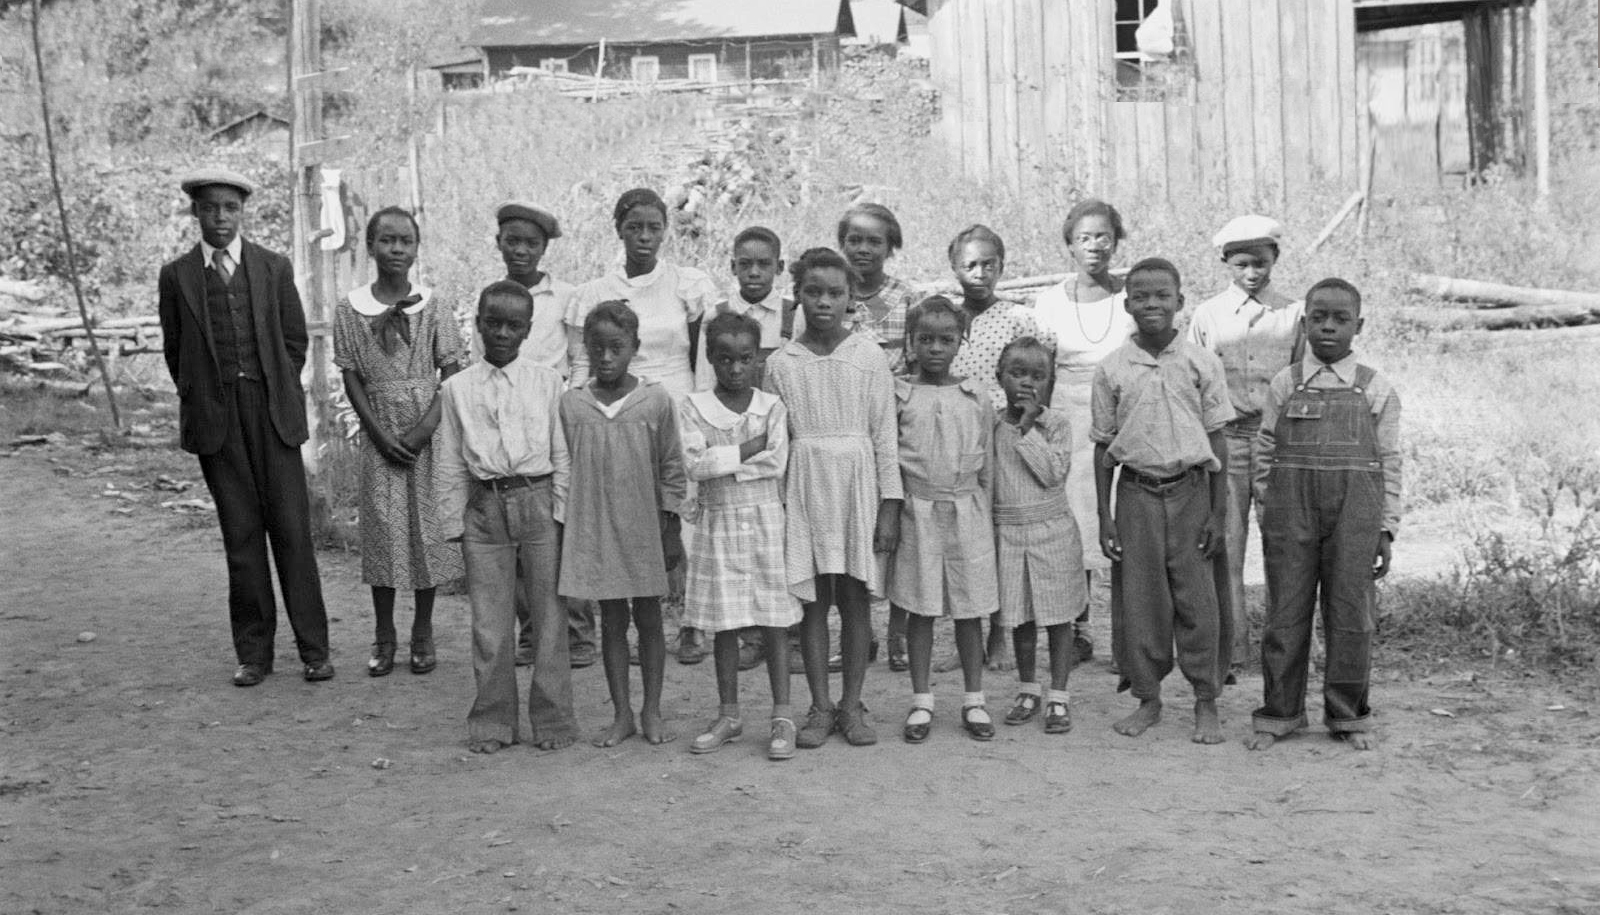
235 340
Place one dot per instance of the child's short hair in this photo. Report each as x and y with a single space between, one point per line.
1338 283
732 323
761 234
372 222
879 212
616 313
1092 206
1026 344
1156 265
933 305
816 259
638 197
976 232
506 288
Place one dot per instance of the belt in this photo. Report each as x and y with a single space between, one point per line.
1154 482
504 484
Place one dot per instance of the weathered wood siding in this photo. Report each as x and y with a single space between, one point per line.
1269 105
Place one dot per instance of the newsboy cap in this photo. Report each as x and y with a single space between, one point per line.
541 218
1248 232
205 177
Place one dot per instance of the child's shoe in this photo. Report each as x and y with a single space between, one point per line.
853 724
899 661
1082 645
691 648
723 730
819 724
977 729
382 660
1023 709
423 659
783 739
1057 718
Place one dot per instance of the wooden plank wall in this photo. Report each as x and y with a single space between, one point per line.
1029 98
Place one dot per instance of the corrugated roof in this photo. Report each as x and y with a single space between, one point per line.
524 23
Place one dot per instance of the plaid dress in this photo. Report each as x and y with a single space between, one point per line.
1036 537
736 572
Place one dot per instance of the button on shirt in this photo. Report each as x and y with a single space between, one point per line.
498 422
548 341
768 313
1154 413
1385 412
1256 338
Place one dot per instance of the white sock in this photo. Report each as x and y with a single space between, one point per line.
975 702
1029 689
921 709
1060 695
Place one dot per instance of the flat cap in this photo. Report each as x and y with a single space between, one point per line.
205 177
541 218
1248 231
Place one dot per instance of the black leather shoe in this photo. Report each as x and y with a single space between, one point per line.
320 670
249 675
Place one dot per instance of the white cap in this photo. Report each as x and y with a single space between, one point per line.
1246 231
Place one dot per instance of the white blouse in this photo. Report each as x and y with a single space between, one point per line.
1084 332
666 300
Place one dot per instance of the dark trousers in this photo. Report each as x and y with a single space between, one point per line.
1320 532
1164 591
259 485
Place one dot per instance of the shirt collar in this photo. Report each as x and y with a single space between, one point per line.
772 302
545 286
1344 369
1140 355
235 251
362 300
1269 298
718 416
643 279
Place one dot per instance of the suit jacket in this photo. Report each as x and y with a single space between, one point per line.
280 325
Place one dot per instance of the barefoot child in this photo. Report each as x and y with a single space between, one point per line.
1330 440
943 563
843 490
523 236
736 446
394 343
502 492
1255 330
1036 537
1159 404
627 487
978 259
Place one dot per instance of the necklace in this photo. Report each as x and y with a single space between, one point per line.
1077 313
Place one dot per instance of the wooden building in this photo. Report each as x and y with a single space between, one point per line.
701 40
1257 101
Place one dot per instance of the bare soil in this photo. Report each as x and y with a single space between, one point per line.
134 777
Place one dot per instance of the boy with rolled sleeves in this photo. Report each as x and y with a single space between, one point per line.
1158 408
1255 330
1330 443
523 236
502 468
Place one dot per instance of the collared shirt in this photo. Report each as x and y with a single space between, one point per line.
1256 337
498 422
548 340
895 297
768 313
1385 404
1155 412
235 251
667 300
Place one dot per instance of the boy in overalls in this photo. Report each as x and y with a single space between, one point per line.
1330 440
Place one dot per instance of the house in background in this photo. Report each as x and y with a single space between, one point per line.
260 129
1254 101
700 40
461 70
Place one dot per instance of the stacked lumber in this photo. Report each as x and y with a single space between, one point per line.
50 348
1496 306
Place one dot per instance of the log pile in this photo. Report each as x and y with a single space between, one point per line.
1496 306
48 348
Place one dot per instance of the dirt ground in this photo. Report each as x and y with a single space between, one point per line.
136 778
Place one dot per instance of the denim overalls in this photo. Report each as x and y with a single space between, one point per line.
1321 520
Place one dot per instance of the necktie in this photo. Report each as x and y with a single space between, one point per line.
224 264
394 325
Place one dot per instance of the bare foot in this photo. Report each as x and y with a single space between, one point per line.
557 743
1147 714
1361 740
654 731
947 663
1260 740
486 746
1207 726
1002 660
621 729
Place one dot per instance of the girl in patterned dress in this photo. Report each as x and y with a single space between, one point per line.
736 446
1040 555
943 564
622 531
978 259
395 344
843 504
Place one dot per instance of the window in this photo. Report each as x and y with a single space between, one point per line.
703 68
646 69
1151 62
553 64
